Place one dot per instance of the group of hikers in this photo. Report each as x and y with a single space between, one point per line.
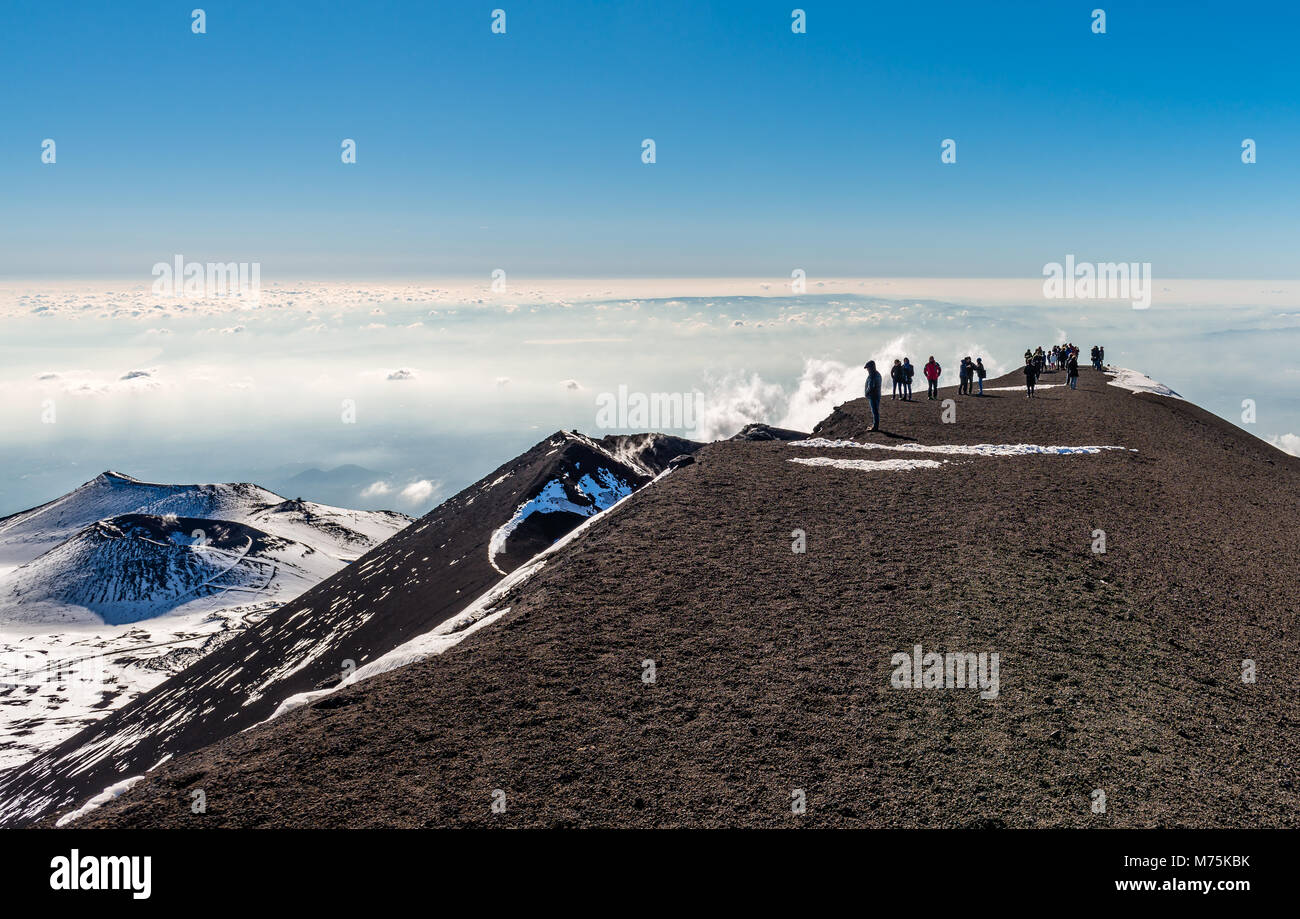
972 373
1060 357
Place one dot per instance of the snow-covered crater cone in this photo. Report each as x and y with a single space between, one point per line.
136 566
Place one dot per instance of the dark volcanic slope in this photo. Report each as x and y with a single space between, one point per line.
1119 672
404 587
650 453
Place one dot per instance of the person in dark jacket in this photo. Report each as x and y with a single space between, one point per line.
896 376
874 382
963 377
909 371
1031 376
980 372
1072 371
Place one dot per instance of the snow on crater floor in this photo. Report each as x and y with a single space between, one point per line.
601 491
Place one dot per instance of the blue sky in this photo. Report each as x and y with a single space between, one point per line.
774 150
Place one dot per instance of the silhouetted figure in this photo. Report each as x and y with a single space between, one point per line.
874 382
1031 376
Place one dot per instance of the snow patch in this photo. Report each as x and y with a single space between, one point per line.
822 443
890 465
1021 388
108 794
602 491
1135 381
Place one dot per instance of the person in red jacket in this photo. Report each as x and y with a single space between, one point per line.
932 371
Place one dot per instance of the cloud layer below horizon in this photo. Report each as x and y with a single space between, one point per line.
436 386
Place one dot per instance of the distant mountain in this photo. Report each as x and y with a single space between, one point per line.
27 534
109 589
339 485
349 474
403 588
342 485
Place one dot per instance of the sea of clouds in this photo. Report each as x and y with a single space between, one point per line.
445 385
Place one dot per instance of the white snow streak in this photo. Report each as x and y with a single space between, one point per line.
890 465
821 443
108 794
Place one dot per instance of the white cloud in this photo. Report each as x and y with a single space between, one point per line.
736 402
92 383
823 385
1287 443
418 492
375 489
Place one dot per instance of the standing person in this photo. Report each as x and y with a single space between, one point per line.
1101 357
932 371
908 372
1072 372
873 393
1094 358
1031 376
963 377
980 372
896 375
